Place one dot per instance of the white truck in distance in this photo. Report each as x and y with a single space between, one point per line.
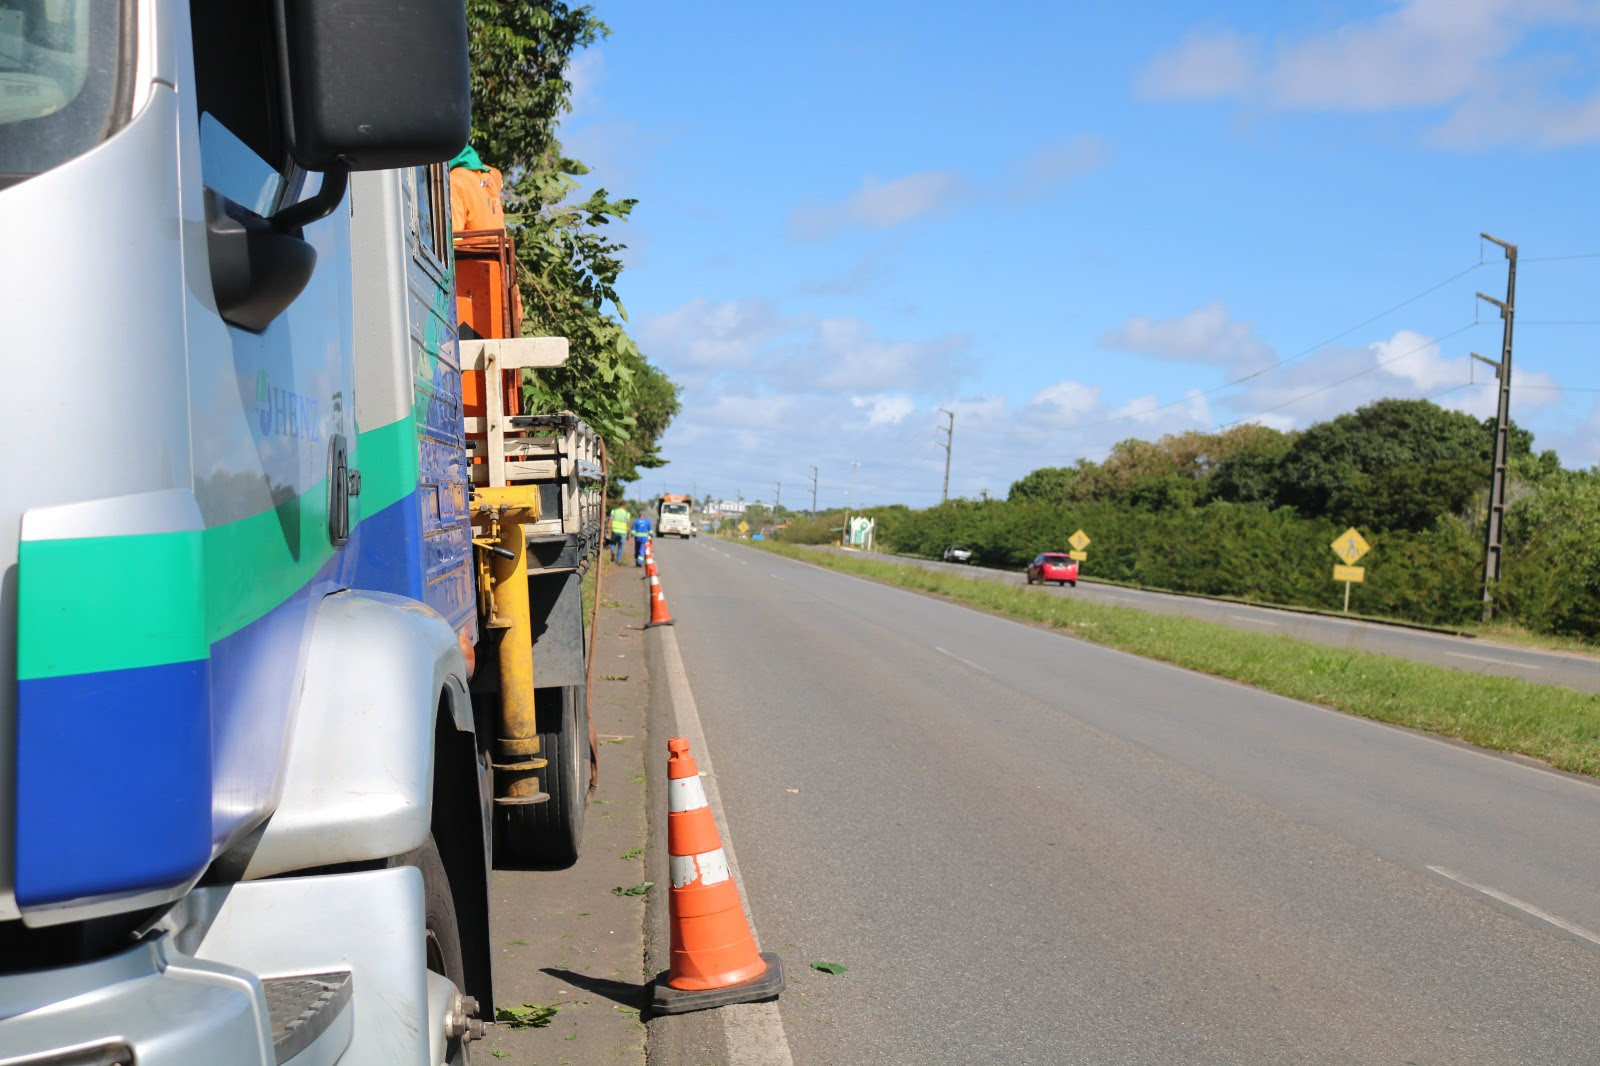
673 518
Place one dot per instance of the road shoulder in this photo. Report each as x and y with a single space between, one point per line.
574 939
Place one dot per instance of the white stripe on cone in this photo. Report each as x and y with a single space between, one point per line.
709 868
685 794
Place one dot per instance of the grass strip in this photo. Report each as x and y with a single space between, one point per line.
1547 722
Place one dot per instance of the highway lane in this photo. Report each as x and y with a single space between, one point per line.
1028 849
1581 672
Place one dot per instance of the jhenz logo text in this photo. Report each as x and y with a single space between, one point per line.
283 413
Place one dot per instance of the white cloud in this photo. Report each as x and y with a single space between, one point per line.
1063 405
1579 446
1489 70
1205 335
1408 365
846 355
886 409
1151 410
703 335
1048 169
584 74
1203 66
882 204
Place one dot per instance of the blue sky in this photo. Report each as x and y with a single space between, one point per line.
1073 224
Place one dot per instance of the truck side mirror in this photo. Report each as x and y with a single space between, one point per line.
375 86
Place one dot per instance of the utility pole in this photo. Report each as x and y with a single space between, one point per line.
777 501
949 439
813 492
1502 432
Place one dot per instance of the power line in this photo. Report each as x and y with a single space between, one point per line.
1296 357
1360 373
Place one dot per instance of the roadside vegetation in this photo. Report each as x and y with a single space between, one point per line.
1250 512
1555 725
568 265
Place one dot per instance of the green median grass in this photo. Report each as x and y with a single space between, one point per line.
1547 722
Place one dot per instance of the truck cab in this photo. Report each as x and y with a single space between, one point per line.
245 792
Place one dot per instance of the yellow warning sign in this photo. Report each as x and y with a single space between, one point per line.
1358 574
1350 546
1079 555
1079 540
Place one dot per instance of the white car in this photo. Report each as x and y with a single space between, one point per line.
957 555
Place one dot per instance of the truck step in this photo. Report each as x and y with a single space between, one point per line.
304 1007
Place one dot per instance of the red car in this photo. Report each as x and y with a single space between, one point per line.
1054 566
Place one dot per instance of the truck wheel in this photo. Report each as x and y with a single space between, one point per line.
441 933
550 834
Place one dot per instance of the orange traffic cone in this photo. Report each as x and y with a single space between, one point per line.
714 956
658 605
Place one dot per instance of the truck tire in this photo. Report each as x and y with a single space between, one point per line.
441 933
549 835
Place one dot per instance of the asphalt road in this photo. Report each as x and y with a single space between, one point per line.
1028 849
1581 672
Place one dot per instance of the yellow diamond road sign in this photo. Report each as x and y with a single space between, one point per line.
1079 540
1350 546
744 527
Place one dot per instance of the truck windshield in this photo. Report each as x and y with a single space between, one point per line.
63 73
675 508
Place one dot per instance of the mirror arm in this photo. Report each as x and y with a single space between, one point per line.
328 197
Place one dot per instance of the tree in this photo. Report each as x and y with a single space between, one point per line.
1402 463
567 266
1551 580
1047 484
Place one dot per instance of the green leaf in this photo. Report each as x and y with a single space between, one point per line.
527 1016
637 890
829 967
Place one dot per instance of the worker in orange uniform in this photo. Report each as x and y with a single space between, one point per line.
476 204
475 187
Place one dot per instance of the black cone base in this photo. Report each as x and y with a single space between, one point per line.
664 999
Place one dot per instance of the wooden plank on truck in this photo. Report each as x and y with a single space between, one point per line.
514 353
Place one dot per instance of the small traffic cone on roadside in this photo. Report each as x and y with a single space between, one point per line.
714 958
658 604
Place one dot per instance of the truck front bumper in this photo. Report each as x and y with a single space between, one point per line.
149 1005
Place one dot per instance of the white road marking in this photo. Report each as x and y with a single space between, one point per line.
1252 621
752 1032
959 659
1524 907
1497 662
